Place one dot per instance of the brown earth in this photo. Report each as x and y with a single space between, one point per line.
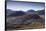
33 25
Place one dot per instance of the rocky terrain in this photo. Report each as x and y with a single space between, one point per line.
31 21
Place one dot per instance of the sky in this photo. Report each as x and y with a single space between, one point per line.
24 6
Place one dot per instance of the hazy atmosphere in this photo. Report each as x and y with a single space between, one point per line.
24 6
25 15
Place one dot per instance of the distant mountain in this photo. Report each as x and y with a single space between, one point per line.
8 12
14 13
18 13
41 12
31 10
